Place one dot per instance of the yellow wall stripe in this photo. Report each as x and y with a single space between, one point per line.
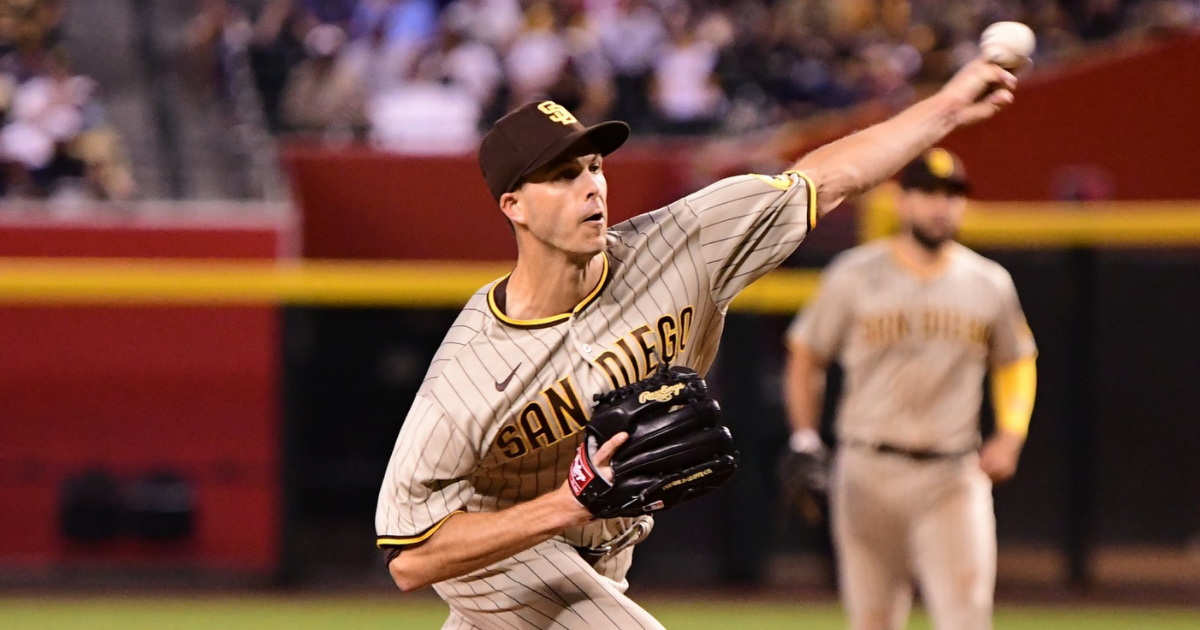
134 282
232 283
1146 224
1025 225
780 292
157 282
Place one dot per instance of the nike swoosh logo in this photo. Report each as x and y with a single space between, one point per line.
500 385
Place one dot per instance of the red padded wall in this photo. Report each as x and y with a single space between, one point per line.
1134 118
136 390
360 203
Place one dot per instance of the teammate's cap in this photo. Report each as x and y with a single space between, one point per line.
532 135
936 169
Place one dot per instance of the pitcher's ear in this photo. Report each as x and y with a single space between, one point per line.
513 208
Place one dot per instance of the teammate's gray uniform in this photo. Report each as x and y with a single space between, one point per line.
499 416
915 351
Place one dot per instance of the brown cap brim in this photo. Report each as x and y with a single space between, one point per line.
950 187
606 137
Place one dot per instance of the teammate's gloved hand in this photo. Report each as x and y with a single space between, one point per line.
803 472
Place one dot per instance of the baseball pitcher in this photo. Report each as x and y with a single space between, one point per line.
916 322
508 491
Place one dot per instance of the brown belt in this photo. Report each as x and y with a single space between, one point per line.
915 454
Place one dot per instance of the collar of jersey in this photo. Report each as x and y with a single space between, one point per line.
924 273
554 319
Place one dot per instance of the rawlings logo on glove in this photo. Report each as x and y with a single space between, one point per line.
677 449
663 395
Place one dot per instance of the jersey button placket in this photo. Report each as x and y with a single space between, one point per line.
572 332
588 350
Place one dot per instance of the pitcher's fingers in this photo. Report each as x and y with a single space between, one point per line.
1001 97
1006 78
606 451
994 74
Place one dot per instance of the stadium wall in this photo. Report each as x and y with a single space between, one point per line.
133 390
205 366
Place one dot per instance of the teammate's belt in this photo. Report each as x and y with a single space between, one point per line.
916 454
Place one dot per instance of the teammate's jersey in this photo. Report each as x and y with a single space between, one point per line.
915 349
499 416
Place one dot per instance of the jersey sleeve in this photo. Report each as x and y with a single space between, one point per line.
823 325
748 225
1011 337
426 479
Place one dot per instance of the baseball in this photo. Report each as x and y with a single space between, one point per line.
1007 44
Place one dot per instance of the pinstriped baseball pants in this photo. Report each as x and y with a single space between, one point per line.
546 587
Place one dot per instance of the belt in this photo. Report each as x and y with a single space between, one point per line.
915 454
592 556
628 538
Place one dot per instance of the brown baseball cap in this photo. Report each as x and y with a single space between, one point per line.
935 170
534 134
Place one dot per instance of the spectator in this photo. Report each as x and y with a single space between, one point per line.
59 138
28 28
426 114
1055 31
378 66
888 70
107 166
1099 19
631 40
276 46
537 56
757 71
336 12
211 34
684 92
468 64
408 25
322 95
1166 17
585 83
746 63
491 22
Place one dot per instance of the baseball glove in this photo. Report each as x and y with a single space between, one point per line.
804 478
677 449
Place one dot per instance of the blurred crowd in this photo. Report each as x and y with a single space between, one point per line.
55 141
427 75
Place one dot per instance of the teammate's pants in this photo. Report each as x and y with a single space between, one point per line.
547 586
896 519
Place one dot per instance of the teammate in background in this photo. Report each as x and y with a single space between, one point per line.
916 321
475 499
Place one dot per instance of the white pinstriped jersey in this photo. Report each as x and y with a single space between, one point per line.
915 350
500 413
